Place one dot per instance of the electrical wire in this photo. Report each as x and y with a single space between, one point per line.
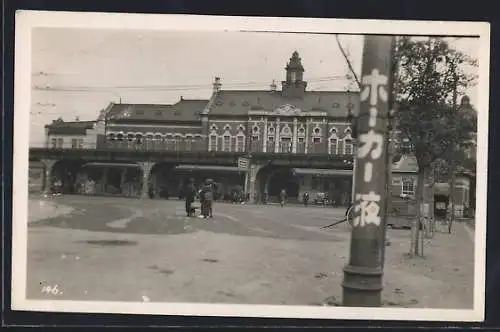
169 87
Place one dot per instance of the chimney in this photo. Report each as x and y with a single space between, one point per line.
182 98
273 86
217 85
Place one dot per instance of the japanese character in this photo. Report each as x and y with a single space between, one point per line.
370 141
369 210
374 87
368 172
373 117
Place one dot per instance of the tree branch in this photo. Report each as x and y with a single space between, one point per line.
347 60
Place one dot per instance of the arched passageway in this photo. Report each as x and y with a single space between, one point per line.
226 179
63 176
162 181
120 179
272 179
333 184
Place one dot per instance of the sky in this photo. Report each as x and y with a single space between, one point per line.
78 72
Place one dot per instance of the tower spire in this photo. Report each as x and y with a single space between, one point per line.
294 86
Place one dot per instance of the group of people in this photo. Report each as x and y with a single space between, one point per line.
205 195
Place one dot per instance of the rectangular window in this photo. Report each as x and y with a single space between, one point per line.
286 145
80 143
317 140
213 143
169 143
226 143
408 186
333 146
301 145
348 146
74 143
270 144
60 143
240 143
254 145
54 143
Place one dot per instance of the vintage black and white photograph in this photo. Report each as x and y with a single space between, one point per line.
202 165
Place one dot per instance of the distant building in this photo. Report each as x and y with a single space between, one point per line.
75 134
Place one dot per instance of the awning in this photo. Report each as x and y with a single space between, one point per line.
110 165
322 172
207 168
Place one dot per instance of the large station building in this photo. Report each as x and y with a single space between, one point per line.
281 138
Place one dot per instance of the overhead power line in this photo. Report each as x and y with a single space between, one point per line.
169 87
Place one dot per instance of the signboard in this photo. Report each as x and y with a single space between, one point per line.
243 163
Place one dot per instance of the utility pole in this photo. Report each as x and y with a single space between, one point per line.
362 286
452 159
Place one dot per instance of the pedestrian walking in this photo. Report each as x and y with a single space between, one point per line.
305 198
206 200
190 194
282 197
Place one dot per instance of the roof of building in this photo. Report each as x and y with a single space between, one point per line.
183 110
61 127
406 164
239 102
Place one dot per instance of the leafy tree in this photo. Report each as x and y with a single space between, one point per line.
429 76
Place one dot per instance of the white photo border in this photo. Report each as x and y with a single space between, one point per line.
27 20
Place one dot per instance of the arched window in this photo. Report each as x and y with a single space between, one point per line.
333 142
255 130
286 140
119 137
130 137
240 142
139 138
213 141
226 142
189 142
177 141
169 140
111 136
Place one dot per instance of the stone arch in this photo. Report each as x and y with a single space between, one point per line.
272 178
162 183
63 176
